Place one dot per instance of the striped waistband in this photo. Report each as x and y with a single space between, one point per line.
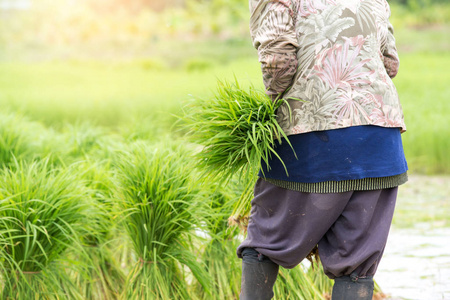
364 184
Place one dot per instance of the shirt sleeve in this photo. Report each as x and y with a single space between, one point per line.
273 33
390 55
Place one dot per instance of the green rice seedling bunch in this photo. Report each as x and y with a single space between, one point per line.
220 200
224 270
98 177
41 217
103 277
316 274
160 213
297 284
238 130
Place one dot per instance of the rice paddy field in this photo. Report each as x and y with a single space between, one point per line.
100 198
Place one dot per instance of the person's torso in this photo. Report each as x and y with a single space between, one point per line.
341 78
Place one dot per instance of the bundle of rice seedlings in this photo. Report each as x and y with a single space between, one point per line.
219 255
316 274
378 293
159 214
41 217
103 277
224 269
238 130
297 284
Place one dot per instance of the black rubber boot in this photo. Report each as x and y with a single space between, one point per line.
258 276
353 288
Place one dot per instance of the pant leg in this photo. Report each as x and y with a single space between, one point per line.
285 225
356 241
353 288
259 274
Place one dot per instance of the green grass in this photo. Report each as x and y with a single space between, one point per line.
101 92
423 88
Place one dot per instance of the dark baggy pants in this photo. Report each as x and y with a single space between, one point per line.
350 228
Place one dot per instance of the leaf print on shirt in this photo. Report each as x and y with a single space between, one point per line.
365 14
276 43
318 31
341 67
282 6
387 116
350 4
308 7
312 115
273 28
362 9
348 110
278 72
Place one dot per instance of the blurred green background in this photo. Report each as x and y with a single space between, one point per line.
125 67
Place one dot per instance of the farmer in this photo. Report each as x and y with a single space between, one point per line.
340 189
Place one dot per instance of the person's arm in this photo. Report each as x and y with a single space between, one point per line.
390 55
273 34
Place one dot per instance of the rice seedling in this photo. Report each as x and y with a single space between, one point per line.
159 214
219 254
41 217
224 269
318 277
103 277
99 182
297 284
220 201
237 129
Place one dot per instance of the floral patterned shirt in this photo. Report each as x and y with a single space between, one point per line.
337 56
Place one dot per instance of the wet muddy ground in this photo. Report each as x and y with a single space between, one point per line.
416 265
416 262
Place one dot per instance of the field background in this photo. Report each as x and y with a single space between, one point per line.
82 79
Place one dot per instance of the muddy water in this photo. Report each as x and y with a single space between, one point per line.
416 264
